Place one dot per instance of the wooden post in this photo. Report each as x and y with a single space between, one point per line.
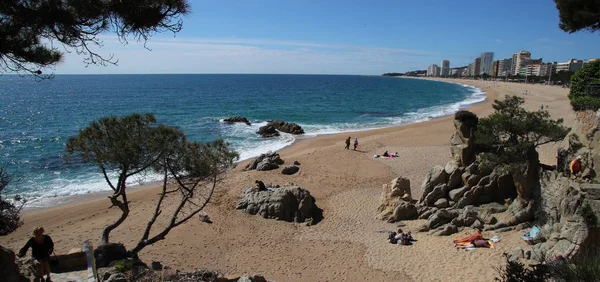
91 261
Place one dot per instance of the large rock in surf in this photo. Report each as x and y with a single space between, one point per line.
235 119
267 161
286 127
267 131
288 203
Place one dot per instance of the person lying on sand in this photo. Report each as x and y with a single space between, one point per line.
386 154
469 239
474 244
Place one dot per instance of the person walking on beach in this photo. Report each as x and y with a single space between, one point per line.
41 249
355 143
348 143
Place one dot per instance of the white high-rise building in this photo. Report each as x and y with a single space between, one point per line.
445 68
486 62
518 61
432 70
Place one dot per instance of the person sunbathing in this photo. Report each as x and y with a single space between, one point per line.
474 244
386 154
469 239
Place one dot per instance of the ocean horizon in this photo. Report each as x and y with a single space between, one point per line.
37 117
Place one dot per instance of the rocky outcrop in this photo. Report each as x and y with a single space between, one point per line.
267 161
268 131
288 203
235 119
569 213
396 201
9 270
286 127
289 170
462 141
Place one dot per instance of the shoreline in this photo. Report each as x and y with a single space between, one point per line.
66 200
346 184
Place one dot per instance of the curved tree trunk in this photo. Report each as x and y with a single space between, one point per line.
124 206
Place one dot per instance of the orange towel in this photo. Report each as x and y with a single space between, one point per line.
468 239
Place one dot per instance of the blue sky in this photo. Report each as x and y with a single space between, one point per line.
345 37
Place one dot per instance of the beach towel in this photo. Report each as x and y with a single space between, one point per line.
532 235
468 239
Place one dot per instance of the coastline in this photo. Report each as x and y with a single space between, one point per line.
66 200
346 185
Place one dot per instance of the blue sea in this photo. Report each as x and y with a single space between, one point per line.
37 117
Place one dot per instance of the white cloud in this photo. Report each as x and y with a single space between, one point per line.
235 55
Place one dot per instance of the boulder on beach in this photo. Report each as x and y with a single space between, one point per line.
288 203
267 161
289 170
235 119
268 131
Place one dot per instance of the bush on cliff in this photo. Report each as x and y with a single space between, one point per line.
584 83
10 218
467 117
511 132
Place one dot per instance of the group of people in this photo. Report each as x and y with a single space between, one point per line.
348 143
400 237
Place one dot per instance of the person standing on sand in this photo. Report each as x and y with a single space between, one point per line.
348 143
355 143
41 249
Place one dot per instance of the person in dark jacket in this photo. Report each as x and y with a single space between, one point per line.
41 249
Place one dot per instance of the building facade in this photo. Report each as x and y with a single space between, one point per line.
518 61
445 68
431 70
486 62
572 65
476 66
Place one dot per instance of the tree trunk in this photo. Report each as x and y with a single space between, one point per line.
124 206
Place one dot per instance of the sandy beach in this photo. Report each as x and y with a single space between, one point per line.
347 245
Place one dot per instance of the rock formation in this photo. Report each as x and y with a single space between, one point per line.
268 131
286 127
267 161
289 170
235 119
568 218
289 203
9 270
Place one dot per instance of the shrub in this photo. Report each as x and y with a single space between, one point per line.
583 103
515 271
589 74
467 118
123 266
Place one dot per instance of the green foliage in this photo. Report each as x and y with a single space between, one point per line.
588 75
467 118
515 271
10 218
585 103
133 145
129 143
27 25
564 77
123 266
576 15
511 131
